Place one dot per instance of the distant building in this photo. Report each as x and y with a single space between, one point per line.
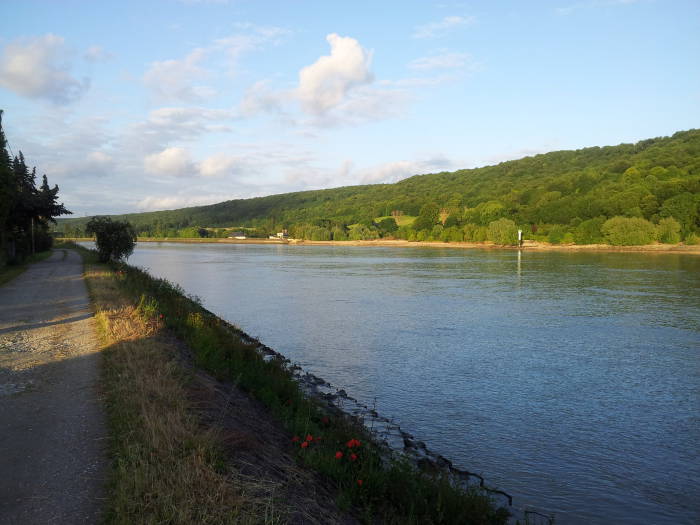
281 235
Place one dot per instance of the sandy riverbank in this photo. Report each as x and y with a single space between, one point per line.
528 245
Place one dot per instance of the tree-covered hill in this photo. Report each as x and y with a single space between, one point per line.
562 196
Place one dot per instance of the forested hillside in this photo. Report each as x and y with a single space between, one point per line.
625 194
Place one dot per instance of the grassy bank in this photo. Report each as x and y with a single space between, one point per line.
169 467
7 273
166 466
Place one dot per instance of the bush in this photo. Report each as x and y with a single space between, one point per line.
503 231
692 239
669 231
626 231
589 232
115 240
557 234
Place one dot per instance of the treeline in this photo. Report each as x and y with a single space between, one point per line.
630 193
25 209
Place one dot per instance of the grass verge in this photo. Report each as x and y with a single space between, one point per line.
166 467
7 273
156 437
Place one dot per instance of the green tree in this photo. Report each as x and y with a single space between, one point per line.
428 217
628 231
503 232
589 232
115 240
684 208
669 231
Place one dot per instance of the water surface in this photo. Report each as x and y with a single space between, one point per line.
570 380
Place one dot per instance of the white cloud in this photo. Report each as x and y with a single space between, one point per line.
175 80
441 61
395 171
172 202
260 98
326 83
97 54
441 28
98 163
38 68
171 161
218 165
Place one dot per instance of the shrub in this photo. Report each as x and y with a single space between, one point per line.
669 231
692 239
115 240
589 232
503 231
556 234
628 231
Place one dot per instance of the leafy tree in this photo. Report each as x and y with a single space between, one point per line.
503 232
115 240
387 226
628 231
428 217
684 208
589 232
669 230
556 234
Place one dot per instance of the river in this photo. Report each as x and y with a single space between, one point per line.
570 380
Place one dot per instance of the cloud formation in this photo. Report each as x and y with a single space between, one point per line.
441 28
38 68
176 80
441 61
395 171
325 84
173 162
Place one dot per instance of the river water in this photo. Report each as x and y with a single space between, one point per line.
570 380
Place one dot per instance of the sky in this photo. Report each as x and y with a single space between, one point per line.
161 104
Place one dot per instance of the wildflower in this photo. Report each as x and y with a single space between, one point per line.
338 455
295 439
162 316
305 444
309 437
353 443
353 457
359 482
317 438
325 420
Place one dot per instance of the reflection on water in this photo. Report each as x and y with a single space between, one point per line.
571 380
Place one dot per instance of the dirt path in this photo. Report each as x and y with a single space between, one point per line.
52 431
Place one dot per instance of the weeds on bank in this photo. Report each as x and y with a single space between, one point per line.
340 448
166 468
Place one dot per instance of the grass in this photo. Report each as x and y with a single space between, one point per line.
167 466
7 273
403 220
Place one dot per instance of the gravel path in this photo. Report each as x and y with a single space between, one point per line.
52 429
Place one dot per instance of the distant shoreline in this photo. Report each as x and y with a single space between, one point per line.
527 245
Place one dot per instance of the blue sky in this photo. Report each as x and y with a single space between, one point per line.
160 104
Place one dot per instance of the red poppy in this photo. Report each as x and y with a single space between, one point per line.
353 443
295 439
305 444
338 455
317 438
161 316
359 482
353 457
309 437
